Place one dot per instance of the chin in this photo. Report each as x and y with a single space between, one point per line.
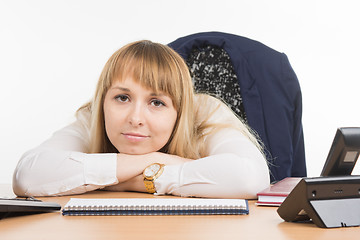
135 151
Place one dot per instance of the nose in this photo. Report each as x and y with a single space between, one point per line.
136 115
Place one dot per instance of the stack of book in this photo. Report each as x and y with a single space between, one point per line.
276 193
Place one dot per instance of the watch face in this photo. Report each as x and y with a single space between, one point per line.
151 170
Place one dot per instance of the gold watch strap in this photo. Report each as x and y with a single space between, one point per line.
149 182
150 186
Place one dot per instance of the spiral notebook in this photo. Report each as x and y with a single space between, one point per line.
155 206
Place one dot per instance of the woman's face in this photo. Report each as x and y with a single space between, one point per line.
137 120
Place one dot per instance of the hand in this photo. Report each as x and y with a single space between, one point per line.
130 166
135 184
167 159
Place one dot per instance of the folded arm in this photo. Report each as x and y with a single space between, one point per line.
235 168
61 166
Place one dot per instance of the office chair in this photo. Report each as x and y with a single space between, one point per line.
260 86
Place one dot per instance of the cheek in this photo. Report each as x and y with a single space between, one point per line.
110 121
167 125
108 124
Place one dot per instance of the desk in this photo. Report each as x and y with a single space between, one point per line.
261 223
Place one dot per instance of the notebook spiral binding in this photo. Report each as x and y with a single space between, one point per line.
153 209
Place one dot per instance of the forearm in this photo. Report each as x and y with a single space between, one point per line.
234 168
60 165
46 172
43 172
218 176
130 166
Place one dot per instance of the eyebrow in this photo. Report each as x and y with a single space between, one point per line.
128 90
121 88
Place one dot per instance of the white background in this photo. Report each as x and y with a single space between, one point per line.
52 52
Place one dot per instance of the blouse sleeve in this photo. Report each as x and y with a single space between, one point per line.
234 168
60 166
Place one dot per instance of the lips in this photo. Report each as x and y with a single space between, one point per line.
135 137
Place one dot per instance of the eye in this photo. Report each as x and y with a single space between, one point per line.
122 98
157 103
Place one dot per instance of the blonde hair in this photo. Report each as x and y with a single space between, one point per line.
161 69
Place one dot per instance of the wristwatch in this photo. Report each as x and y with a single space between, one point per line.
151 173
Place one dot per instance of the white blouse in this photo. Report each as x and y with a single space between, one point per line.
234 168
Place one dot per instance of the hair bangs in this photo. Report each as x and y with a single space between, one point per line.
150 67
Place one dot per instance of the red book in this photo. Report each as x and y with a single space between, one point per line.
276 194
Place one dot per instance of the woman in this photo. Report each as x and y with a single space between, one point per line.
145 130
